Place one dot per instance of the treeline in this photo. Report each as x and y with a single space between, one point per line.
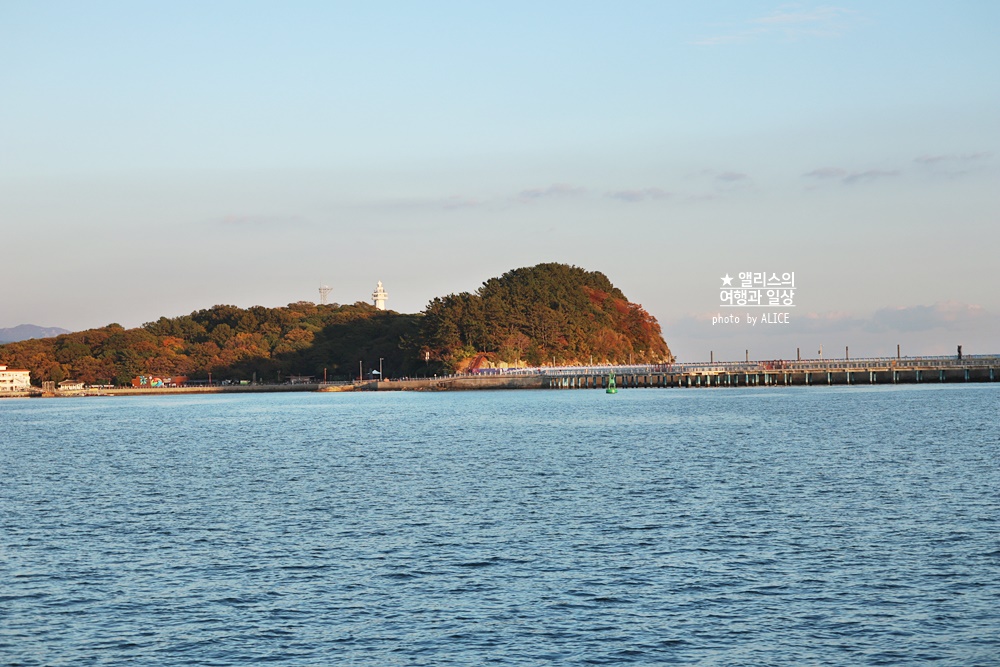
540 315
232 343
536 315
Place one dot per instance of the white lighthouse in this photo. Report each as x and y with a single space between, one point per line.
380 296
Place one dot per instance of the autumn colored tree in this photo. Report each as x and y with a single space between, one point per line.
530 314
543 312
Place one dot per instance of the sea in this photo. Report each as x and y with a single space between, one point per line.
724 526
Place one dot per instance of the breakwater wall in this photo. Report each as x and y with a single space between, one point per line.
169 391
462 383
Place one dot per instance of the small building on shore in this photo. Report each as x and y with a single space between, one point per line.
14 379
70 385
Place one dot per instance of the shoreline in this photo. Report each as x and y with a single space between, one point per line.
564 381
864 372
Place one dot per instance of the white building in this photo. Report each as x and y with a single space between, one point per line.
379 296
12 379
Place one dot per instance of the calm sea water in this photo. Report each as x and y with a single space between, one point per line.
766 526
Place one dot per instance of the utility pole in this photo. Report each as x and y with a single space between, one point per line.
380 369
361 374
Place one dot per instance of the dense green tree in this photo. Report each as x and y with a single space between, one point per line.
541 313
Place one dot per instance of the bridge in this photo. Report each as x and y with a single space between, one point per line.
809 372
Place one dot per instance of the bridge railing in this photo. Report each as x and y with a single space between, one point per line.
771 366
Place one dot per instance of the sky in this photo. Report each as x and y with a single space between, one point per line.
160 158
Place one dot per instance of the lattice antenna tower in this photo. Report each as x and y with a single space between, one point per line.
324 291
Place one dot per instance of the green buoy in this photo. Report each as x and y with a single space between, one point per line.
612 389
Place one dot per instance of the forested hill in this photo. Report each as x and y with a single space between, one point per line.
527 316
232 343
543 314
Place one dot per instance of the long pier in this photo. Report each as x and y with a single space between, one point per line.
812 372
808 373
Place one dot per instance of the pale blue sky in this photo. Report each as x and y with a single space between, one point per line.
157 159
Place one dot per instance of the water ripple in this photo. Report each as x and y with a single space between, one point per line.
818 526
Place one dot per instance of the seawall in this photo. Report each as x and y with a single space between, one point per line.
462 383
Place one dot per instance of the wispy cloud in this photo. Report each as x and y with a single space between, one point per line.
953 158
798 15
944 315
553 191
714 185
459 202
640 194
826 173
954 165
259 221
732 177
433 203
725 39
790 22
850 177
950 315
869 175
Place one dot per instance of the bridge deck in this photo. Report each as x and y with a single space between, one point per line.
879 370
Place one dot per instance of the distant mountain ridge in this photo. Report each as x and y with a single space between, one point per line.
28 331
